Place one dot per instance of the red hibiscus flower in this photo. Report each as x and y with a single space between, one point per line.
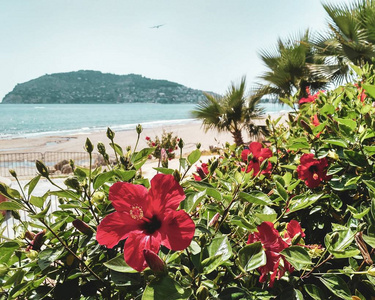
202 172
292 229
259 154
312 170
315 122
362 96
310 98
146 219
273 244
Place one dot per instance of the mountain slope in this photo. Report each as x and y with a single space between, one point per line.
97 87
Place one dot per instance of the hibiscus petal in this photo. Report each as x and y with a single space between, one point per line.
177 230
134 246
244 154
293 228
126 195
255 148
270 237
265 153
114 228
165 192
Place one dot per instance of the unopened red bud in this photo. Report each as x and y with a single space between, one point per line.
29 235
306 126
153 260
82 226
38 240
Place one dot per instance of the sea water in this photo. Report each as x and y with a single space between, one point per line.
27 120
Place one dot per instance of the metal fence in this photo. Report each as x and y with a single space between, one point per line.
24 163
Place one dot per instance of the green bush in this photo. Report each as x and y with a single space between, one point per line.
290 219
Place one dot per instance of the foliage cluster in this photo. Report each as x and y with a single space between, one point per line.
165 146
260 233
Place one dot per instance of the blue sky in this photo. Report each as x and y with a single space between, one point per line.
203 44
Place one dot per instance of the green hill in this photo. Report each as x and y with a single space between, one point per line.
97 87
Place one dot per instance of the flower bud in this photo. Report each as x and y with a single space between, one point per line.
42 169
153 260
139 128
101 148
98 197
214 221
306 126
29 235
181 144
333 155
296 239
13 173
89 146
198 145
32 254
176 175
334 237
214 165
16 215
82 227
202 293
110 134
72 182
38 240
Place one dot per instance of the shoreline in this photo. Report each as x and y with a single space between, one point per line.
191 132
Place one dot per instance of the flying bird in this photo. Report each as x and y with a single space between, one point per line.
157 26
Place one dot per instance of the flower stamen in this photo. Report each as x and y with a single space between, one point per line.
136 212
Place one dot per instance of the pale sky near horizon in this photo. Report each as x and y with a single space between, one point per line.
203 44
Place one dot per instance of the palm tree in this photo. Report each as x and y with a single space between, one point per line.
291 68
232 112
351 39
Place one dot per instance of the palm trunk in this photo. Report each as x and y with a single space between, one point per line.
237 136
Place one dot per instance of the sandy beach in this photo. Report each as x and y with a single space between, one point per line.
191 133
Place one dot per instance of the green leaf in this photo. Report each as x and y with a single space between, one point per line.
117 149
165 288
291 294
345 238
32 184
255 197
42 214
337 286
370 89
118 264
297 256
48 256
347 122
336 141
298 143
303 201
192 200
194 156
10 205
242 222
355 158
102 178
125 175
7 249
139 158
369 150
38 201
164 170
314 292
369 240
234 293
339 183
268 214
219 251
252 256
281 191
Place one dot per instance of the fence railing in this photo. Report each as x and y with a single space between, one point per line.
24 163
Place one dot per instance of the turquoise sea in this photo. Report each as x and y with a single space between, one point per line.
27 120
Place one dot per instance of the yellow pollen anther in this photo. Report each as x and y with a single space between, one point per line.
315 176
260 158
136 212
